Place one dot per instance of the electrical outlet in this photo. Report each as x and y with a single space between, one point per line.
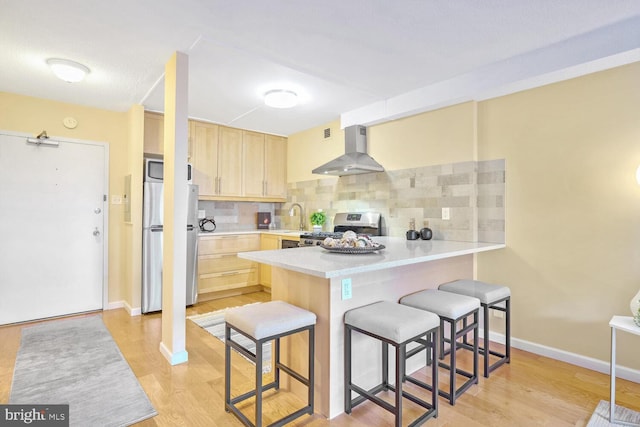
446 215
346 289
202 214
498 313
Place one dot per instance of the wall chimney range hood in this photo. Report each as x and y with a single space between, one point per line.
355 160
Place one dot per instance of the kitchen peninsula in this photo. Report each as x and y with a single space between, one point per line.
329 284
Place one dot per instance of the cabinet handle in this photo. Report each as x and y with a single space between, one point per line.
232 273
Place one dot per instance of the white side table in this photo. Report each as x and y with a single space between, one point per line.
624 323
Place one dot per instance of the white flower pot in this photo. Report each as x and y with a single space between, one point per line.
317 228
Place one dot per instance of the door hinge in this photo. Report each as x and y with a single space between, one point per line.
104 197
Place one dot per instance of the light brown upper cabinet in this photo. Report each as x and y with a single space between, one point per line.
234 164
204 161
265 162
253 162
275 167
230 162
153 133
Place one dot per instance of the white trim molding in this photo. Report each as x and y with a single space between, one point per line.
568 357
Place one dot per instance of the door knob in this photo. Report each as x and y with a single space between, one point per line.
97 210
96 232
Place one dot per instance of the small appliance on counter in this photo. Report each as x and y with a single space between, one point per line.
207 225
358 222
264 220
424 233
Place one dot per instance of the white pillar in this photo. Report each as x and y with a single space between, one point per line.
174 258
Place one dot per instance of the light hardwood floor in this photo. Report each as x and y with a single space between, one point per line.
531 391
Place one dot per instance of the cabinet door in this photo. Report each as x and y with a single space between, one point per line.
275 166
253 161
153 133
229 162
204 156
268 242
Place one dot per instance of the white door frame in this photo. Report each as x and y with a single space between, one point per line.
105 204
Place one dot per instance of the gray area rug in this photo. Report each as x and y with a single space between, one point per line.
213 323
76 362
600 417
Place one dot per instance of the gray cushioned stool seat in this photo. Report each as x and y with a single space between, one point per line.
261 323
392 321
492 297
442 303
451 308
269 318
393 325
487 293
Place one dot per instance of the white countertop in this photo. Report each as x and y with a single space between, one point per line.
315 261
227 233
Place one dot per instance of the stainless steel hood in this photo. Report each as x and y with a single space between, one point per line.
355 160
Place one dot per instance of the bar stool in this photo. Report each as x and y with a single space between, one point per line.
262 323
492 297
451 308
398 325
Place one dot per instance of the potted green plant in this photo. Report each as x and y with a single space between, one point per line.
318 219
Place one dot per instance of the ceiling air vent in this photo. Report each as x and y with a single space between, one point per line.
327 133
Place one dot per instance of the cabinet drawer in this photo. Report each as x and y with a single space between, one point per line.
227 280
231 243
221 263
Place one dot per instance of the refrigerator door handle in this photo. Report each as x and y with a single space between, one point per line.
156 228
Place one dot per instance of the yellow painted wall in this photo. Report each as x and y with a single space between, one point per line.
421 140
32 115
573 208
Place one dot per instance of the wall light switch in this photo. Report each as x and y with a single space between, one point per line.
346 289
446 215
116 200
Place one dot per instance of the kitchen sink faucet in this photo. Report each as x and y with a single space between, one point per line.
301 214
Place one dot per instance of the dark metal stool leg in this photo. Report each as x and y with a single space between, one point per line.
486 352
347 369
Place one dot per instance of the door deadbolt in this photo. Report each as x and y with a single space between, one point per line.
96 232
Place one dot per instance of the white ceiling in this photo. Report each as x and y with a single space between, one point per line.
365 61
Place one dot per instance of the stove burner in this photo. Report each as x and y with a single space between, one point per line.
321 235
315 239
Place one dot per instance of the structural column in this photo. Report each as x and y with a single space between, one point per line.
174 259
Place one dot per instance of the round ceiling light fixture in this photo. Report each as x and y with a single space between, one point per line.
67 70
281 98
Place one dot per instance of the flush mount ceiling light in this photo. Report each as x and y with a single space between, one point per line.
66 70
281 98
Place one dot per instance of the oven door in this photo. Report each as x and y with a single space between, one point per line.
288 244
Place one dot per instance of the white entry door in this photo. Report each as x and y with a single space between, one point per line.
52 227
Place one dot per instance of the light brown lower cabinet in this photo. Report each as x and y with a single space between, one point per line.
220 272
269 242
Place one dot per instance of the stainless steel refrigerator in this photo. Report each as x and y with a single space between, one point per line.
152 225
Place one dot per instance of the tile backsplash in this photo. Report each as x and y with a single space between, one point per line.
473 191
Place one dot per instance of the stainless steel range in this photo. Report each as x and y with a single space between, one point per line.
358 222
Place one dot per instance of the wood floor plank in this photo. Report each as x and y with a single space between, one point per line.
531 391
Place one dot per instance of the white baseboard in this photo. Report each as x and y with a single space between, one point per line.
565 356
174 358
123 304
